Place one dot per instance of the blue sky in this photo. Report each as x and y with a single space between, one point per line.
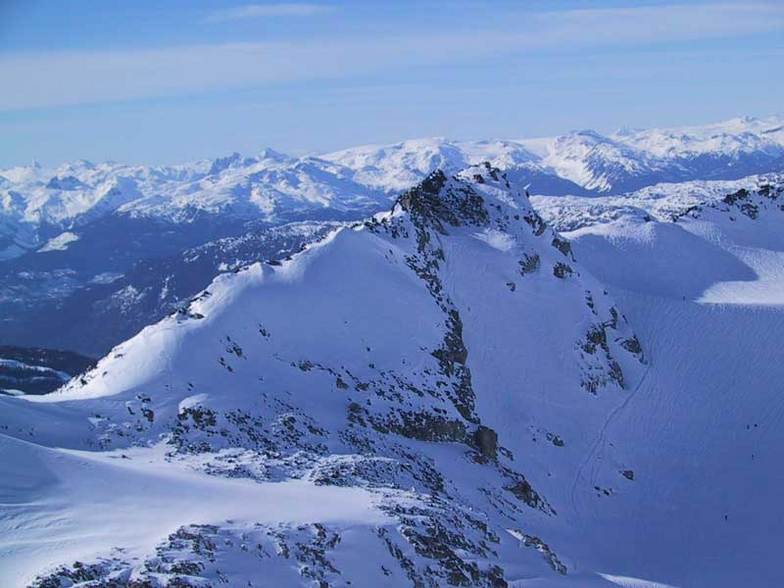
164 82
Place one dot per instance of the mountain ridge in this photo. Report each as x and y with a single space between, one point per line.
404 389
580 161
455 392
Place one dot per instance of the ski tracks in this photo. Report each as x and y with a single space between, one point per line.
595 456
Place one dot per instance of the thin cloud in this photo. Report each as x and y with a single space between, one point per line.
251 11
80 77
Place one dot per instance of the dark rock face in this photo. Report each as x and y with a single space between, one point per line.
529 264
547 553
562 270
423 426
486 441
632 344
555 439
523 491
563 246
431 203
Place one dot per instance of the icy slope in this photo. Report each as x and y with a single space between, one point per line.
699 275
451 358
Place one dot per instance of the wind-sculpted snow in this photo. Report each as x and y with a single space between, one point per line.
420 359
713 241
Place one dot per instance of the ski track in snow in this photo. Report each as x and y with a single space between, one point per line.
598 444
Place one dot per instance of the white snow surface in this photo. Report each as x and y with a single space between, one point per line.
60 242
630 368
270 184
293 372
79 502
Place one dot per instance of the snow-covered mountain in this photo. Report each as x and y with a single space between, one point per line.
363 412
586 162
273 186
47 208
97 241
94 306
450 393
85 240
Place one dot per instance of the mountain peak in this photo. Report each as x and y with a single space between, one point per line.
230 161
460 199
267 153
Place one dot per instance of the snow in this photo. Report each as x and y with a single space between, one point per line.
60 242
19 365
12 392
346 326
61 505
704 429
496 239
106 278
628 367
273 185
767 287
628 582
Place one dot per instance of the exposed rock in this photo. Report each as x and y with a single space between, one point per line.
562 270
529 263
486 440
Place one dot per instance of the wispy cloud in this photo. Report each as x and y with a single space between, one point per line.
250 11
78 77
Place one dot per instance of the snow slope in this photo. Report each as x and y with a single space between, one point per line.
510 405
84 501
91 311
450 358
702 287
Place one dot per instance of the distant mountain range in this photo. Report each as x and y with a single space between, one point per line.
38 205
38 371
119 246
